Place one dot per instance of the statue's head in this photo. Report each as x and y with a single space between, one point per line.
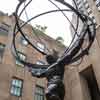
52 58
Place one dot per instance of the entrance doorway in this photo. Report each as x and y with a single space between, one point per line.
89 76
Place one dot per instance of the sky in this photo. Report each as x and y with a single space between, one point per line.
57 24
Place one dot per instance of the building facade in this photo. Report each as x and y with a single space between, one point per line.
16 81
84 80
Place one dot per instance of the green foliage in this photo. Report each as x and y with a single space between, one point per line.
41 28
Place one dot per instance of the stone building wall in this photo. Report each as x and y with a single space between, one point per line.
80 90
8 67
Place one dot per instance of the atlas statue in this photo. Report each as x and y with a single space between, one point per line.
54 70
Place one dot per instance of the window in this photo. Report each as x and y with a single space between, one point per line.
39 93
4 29
2 47
42 69
23 41
16 87
85 0
94 19
37 71
79 2
22 57
86 5
98 4
40 62
41 47
89 11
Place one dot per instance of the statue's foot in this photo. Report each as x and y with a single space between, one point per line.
52 97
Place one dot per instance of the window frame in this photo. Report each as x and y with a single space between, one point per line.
89 11
23 40
4 28
39 44
18 63
2 49
34 70
16 87
39 94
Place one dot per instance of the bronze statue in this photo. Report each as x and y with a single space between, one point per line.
54 71
55 86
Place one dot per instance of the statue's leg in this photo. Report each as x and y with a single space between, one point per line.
55 90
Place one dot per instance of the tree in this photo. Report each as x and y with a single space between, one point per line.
41 28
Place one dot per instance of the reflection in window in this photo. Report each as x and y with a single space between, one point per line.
38 70
23 41
22 57
16 87
41 47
